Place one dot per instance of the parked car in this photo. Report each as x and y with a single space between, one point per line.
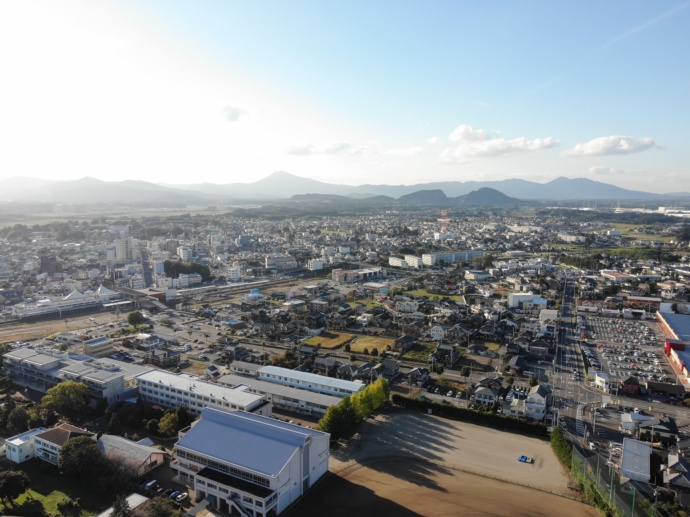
182 497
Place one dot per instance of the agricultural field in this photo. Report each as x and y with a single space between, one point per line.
371 343
329 340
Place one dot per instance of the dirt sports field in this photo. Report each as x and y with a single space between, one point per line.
407 464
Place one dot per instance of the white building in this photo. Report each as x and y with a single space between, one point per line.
171 390
48 444
414 261
125 249
304 402
397 262
253 465
20 448
234 272
515 300
309 381
184 253
316 264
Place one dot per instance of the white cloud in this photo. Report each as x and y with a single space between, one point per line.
232 113
433 140
477 143
611 145
600 170
334 148
407 151
465 132
302 150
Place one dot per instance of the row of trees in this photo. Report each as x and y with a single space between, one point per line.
341 420
173 269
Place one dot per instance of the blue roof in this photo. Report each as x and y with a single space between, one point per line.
253 442
679 323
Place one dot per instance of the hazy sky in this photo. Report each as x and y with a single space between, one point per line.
353 92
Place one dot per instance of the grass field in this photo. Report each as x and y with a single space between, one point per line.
371 343
419 352
329 340
433 296
48 488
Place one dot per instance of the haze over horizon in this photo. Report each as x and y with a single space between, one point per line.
351 93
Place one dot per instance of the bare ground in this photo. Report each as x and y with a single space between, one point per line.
408 464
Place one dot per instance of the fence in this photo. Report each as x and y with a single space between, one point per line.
599 478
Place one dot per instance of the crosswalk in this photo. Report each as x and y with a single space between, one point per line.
579 422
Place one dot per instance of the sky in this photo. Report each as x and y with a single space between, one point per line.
357 92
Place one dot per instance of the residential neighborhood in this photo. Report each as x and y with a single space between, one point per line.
174 333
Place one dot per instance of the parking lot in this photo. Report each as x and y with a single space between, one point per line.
627 347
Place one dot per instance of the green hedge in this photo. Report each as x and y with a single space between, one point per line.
496 421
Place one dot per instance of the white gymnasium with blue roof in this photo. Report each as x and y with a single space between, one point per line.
250 464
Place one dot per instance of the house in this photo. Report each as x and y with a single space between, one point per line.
163 358
538 400
326 365
677 473
517 364
212 372
248 463
390 368
48 444
419 376
495 383
486 396
630 423
630 386
347 371
307 352
138 458
662 430
403 343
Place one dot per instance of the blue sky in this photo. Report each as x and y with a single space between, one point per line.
353 92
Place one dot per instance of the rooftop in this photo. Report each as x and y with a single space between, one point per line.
311 377
260 444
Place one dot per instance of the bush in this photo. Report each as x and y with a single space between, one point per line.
69 505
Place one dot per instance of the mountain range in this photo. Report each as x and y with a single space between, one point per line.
282 185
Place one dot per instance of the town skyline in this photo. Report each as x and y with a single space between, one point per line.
229 92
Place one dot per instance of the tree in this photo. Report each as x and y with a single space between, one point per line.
161 507
183 418
69 399
18 421
13 483
168 424
114 425
80 457
465 372
533 381
135 318
152 426
121 507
